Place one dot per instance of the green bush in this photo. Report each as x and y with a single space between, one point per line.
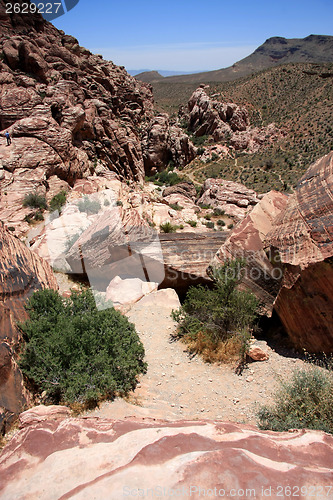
218 211
89 206
220 222
175 206
34 200
210 224
305 401
39 216
192 223
209 318
76 353
166 177
58 201
167 227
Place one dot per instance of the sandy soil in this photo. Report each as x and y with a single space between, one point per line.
178 386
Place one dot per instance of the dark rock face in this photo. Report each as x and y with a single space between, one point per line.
102 458
21 273
303 237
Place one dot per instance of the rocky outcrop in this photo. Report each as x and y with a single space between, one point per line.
184 188
262 275
233 198
187 255
302 237
100 458
163 143
71 114
226 122
21 273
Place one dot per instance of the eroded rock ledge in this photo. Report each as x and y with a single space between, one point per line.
100 458
21 273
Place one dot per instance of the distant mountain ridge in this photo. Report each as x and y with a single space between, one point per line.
273 52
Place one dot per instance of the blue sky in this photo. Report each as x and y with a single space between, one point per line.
190 35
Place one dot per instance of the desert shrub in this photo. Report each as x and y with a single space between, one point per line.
304 401
34 200
220 222
106 202
204 206
199 141
28 219
166 177
119 203
210 224
167 227
175 206
200 151
39 216
76 353
218 321
89 206
58 201
218 211
192 223
230 226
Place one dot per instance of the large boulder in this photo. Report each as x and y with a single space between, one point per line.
235 199
302 238
101 458
21 273
262 275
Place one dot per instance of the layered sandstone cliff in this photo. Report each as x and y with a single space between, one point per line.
21 273
302 235
71 114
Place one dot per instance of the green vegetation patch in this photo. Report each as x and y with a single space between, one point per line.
76 353
34 200
217 322
58 201
304 401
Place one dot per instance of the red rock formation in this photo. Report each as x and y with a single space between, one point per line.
163 142
303 237
262 276
71 113
225 122
234 198
100 458
21 273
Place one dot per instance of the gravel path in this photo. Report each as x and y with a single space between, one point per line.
177 387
